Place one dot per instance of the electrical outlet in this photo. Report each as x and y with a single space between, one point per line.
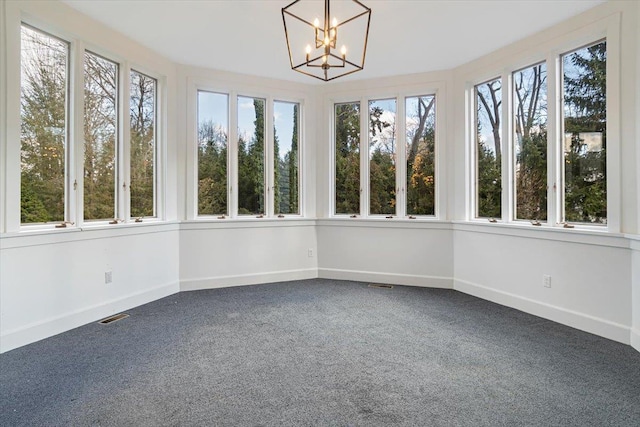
108 277
546 280
310 252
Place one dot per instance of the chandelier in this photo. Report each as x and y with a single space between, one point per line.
326 44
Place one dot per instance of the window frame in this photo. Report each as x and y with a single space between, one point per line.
74 197
550 52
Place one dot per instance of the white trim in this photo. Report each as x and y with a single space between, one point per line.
247 279
635 339
574 319
392 278
52 326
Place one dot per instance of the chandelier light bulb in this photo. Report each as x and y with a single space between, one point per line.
334 23
316 23
324 59
326 41
343 51
308 49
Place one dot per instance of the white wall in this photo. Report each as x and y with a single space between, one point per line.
51 282
245 252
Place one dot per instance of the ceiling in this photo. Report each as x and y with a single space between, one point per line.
406 36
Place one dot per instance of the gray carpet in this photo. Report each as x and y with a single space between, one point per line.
326 353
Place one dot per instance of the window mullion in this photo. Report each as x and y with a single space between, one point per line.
75 198
232 153
401 157
269 159
123 150
507 159
554 140
364 157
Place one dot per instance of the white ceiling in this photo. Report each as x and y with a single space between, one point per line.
406 36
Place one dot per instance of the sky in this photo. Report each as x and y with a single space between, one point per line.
214 106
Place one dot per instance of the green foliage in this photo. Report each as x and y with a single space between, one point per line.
585 115
421 160
347 137
489 183
43 127
143 120
212 169
286 173
251 175
489 179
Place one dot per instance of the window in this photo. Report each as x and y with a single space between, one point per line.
570 150
584 83
488 101
420 126
142 114
100 136
44 126
286 191
347 158
382 157
530 142
251 160
213 132
57 185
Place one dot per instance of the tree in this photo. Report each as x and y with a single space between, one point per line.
347 138
142 111
43 130
531 142
251 187
421 158
585 89
489 157
212 169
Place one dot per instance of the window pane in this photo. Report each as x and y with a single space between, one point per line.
382 157
142 111
43 130
530 142
285 126
213 126
585 134
488 150
100 130
347 134
251 128
421 133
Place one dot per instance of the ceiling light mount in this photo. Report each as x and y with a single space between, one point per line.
313 44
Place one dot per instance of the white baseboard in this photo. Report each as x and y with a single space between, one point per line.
247 279
635 339
584 322
62 323
391 278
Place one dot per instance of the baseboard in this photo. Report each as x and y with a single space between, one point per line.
247 279
635 339
584 322
56 325
391 278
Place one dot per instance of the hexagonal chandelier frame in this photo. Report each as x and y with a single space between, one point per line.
322 61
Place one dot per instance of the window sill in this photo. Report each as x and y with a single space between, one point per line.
579 234
43 236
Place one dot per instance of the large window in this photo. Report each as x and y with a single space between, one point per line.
213 131
347 158
558 169
488 101
382 157
44 129
530 142
100 137
420 154
143 144
584 82
74 175
251 160
286 126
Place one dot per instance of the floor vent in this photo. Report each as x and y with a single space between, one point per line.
378 285
113 318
